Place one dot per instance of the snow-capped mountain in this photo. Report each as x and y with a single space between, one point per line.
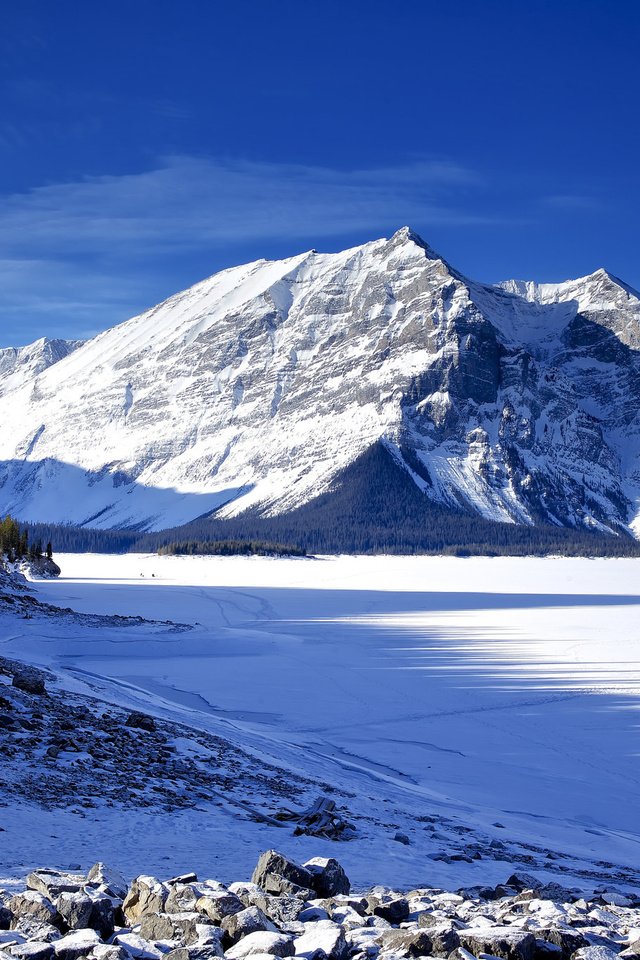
20 363
257 387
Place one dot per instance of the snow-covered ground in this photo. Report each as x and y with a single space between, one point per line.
499 695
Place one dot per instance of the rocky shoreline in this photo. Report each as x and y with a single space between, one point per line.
307 911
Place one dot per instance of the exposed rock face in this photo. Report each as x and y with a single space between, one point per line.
42 567
261 384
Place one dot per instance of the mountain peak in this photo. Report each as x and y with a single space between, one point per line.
603 274
254 389
405 235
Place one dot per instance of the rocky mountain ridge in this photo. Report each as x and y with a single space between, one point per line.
20 363
256 388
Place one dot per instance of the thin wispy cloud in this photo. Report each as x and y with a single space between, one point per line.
73 301
87 252
192 201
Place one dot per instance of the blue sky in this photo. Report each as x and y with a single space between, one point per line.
146 144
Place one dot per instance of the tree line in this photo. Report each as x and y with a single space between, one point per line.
374 507
229 548
15 543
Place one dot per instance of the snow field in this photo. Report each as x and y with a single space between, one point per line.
480 691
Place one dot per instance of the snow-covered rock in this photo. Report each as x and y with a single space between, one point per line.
275 873
76 945
34 904
323 940
441 924
107 880
20 363
249 920
262 942
327 876
137 947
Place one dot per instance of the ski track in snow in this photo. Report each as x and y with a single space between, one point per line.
479 691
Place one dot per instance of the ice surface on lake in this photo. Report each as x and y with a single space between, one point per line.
489 690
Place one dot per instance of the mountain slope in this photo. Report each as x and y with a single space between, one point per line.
18 364
257 387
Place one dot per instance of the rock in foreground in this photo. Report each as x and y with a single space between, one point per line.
307 911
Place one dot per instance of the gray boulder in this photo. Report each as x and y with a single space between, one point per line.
219 904
569 941
595 953
209 936
93 910
393 911
30 683
171 926
283 910
443 936
196 951
75 909
106 880
137 947
183 897
34 929
523 881
311 914
411 943
276 874
327 877
249 920
103 914
510 943
140 721
547 951
108 951
32 904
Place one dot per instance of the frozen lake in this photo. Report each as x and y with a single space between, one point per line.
494 690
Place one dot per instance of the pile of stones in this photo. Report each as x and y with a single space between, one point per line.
64 750
307 911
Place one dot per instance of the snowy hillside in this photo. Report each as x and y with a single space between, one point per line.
18 364
258 386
